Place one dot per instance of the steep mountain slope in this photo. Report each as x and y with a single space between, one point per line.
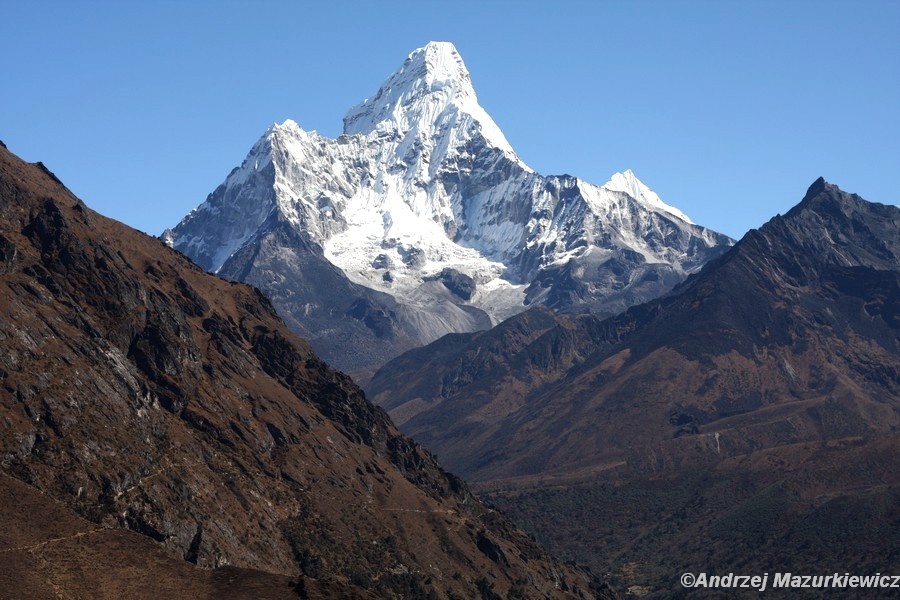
144 394
761 399
436 224
50 552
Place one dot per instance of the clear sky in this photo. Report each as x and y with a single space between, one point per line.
727 109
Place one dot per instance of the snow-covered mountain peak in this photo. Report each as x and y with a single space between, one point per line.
430 92
435 71
421 220
628 183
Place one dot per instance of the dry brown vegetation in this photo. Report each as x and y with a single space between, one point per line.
142 394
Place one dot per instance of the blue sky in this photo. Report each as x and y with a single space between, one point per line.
727 109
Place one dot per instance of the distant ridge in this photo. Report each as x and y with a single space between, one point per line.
729 423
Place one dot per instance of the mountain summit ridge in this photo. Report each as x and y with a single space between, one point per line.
421 190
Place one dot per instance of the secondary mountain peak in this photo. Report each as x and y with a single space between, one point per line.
826 198
832 229
818 186
628 183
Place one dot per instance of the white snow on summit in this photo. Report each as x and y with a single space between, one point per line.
431 93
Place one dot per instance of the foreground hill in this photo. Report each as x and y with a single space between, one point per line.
723 424
139 393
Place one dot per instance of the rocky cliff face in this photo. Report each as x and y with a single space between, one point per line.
421 182
143 394
755 399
